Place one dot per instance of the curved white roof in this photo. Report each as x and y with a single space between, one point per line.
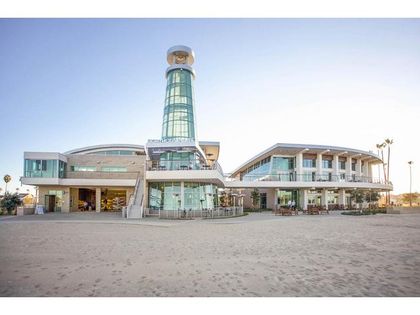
106 147
293 148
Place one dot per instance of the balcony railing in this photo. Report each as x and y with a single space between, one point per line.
44 174
102 175
177 165
314 178
83 174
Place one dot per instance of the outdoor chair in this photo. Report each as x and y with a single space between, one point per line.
286 211
324 209
313 210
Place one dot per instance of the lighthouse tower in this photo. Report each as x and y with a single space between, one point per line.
179 114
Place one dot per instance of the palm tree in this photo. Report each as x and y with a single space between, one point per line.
7 178
388 143
380 148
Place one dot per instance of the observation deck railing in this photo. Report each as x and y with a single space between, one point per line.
291 177
179 165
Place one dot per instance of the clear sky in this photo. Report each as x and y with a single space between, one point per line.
66 84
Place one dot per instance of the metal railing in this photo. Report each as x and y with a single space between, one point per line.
177 165
291 177
43 174
189 214
83 174
102 174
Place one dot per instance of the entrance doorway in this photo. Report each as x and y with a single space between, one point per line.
263 200
49 203
113 200
87 199
284 196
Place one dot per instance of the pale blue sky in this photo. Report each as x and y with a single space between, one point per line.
351 82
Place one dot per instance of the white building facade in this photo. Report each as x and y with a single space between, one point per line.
179 175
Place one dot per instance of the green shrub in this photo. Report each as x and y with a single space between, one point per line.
10 202
257 209
364 212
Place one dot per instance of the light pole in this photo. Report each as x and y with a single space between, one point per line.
411 196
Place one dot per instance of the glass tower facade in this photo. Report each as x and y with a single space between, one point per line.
178 115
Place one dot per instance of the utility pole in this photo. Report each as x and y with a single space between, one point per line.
411 196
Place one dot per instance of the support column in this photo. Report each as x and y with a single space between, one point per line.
304 199
348 168
65 206
359 168
127 196
181 196
276 199
335 168
299 166
324 198
319 165
98 200
369 174
342 197
366 171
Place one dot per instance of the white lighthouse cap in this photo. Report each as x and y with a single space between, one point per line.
180 55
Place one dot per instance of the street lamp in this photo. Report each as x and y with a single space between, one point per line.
411 196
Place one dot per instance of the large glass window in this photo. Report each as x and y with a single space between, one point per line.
179 161
62 168
114 169
167 196
41 168
178 116
282 164
257 170
310 163
115 152
327 163
342 165
82 168
283 197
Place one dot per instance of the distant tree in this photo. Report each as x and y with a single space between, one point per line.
7 179
224 199
372 196
415 198
357 196
10 202
255 196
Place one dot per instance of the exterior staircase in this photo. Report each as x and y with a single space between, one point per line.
135 205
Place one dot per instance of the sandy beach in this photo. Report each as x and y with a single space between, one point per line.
257 255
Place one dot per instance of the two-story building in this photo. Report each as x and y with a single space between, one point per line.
178 173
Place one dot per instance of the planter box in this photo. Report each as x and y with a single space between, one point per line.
24 211
402 210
